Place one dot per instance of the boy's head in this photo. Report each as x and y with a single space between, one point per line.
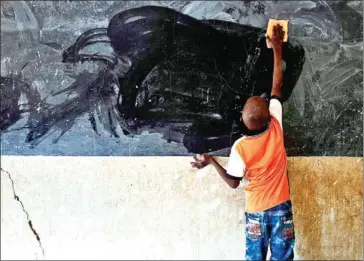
255 114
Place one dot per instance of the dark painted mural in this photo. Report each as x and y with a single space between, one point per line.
170 78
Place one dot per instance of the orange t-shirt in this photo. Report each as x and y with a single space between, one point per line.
263 159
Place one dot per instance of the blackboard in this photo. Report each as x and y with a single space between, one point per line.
324 94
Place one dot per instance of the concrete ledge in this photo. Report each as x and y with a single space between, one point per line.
160 208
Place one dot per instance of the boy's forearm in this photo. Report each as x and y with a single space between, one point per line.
222 172
277 73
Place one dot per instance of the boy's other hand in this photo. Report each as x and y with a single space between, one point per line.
202 162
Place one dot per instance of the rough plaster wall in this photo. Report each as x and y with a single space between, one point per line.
160 208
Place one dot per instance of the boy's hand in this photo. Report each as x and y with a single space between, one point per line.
201 163
277 37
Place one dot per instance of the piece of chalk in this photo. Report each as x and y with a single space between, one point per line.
271 24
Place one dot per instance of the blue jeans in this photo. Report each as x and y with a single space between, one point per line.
273 226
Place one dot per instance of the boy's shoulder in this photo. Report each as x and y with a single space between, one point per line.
239 141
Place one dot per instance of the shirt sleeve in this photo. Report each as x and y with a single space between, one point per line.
236 165
275 109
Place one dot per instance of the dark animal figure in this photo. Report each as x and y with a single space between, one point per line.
170 73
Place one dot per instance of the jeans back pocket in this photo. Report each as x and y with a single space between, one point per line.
287 227
254 226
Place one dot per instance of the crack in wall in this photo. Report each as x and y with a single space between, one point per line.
30 224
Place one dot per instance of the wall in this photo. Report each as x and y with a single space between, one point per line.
160 208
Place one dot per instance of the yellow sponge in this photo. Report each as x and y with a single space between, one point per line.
271 24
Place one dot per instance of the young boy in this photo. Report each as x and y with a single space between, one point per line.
261 157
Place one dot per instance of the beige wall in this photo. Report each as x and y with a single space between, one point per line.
160 208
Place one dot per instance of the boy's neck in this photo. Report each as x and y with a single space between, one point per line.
256 132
